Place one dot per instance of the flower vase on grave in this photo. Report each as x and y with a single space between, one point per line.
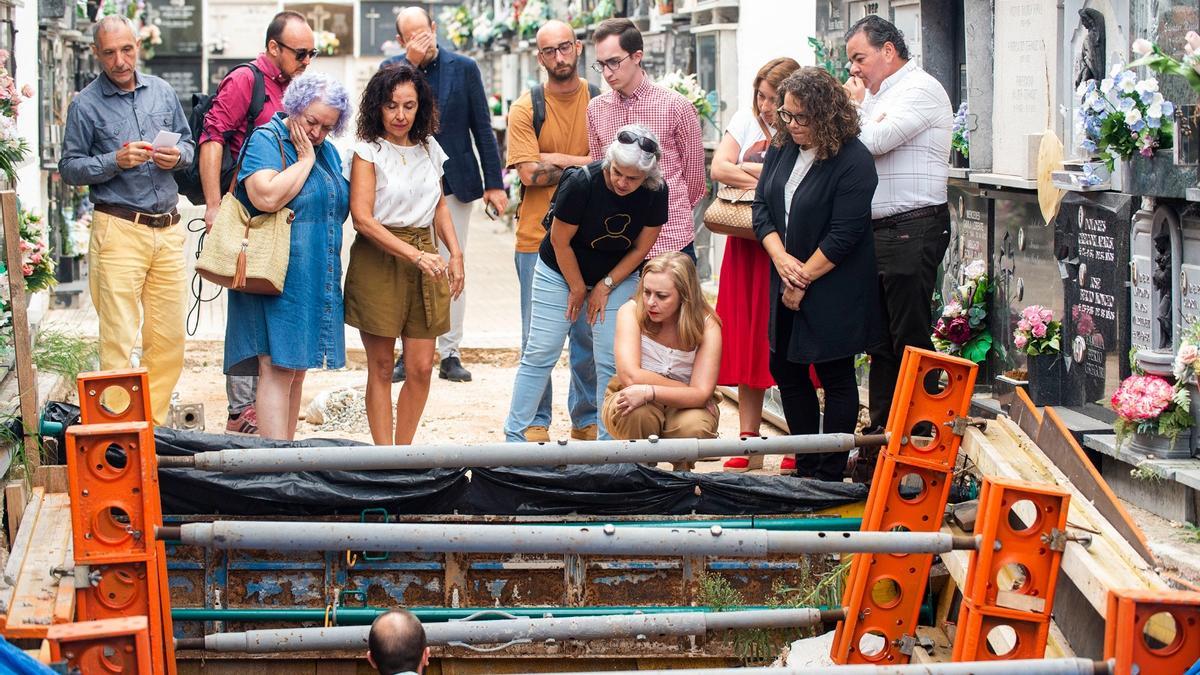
1161 447
1047 374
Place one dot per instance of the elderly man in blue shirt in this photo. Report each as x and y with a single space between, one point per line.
135 256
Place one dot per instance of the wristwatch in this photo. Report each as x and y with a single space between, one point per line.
608 282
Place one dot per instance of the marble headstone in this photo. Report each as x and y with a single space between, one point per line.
1024 268
1025 34
1093 259
970 240
238 28
182 26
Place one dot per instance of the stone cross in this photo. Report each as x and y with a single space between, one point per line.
319 14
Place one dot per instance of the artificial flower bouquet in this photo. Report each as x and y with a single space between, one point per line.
1037 332
961 329
1149 404
1123 115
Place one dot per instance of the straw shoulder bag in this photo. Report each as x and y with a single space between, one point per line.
248 253
731 213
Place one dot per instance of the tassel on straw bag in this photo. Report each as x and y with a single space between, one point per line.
731 213
244 253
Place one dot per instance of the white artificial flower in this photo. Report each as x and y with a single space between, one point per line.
975 269
1142 46
1106 85
1134 116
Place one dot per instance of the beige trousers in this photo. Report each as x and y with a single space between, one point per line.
137 280
656 419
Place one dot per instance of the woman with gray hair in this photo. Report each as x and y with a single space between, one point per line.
603 220
287 163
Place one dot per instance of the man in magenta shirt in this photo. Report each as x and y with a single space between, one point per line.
289 50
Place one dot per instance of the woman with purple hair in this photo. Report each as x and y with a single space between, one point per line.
279 337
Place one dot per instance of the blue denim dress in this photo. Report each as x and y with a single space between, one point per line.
302 328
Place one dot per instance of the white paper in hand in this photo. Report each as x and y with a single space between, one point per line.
165 139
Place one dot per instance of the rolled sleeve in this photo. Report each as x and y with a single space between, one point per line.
522 141
78 166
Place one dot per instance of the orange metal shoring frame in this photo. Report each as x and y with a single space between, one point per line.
1012 577
108 646
121 472
1152 631
884 591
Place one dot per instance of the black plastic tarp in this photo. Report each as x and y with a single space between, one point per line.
609 489
308 493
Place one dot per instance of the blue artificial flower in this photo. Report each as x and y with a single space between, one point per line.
1168 108
1088 144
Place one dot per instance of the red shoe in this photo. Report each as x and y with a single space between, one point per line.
245 422
743 464
788 464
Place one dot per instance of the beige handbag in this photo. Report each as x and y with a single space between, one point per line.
731 213
244 253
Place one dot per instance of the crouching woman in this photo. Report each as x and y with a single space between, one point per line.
668 352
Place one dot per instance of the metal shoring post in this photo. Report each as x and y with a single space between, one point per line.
605 540
506 631
1074 666
388 458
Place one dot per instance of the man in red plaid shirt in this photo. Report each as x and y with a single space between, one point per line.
634 99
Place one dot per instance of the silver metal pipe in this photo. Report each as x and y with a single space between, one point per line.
1022 666
396 457
584 540
510 631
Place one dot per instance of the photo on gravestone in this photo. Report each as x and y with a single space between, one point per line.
1024 270
1093 251
970 239
332 24
181 25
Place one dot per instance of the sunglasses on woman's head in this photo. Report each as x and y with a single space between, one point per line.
646 143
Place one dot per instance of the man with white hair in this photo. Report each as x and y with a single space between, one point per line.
135 255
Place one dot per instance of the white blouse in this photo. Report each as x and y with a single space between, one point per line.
408 180
804 162
674 364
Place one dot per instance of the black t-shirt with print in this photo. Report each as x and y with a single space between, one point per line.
608 223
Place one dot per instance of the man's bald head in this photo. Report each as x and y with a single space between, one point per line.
554 32
558 51
396 643
412 19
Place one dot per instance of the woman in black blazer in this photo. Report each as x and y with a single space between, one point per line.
824 309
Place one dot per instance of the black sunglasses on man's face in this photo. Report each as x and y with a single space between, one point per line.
300 54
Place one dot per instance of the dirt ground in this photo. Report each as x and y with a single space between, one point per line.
457 412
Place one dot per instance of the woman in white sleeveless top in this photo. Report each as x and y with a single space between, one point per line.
668 352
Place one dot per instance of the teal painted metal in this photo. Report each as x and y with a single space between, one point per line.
359 616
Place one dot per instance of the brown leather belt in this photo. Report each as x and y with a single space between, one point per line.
901 218
155 220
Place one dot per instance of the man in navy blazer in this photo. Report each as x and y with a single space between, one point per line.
462 114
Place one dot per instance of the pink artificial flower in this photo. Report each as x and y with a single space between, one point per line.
1188 354
959 331
1039 330
27 91
1020 341
26 270
1023 326
36 258
1046 315
1031 312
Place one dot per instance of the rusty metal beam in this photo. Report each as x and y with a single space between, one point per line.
1025 667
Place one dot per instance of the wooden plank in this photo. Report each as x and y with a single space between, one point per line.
1025 413
52 477
16 496
1054 439
1109 562
22 343
36 600
16 559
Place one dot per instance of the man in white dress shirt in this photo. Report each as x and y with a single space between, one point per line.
906 119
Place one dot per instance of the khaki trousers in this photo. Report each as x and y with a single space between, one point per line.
137 280
656 419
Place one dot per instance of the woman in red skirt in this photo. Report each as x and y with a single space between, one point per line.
743 296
